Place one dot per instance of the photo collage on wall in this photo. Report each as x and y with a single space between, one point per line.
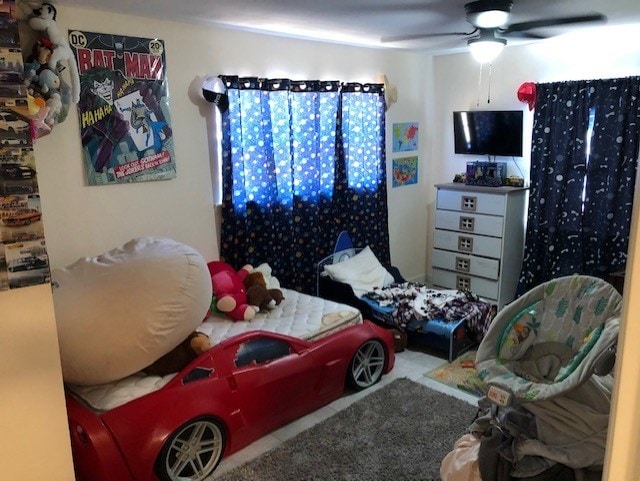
405 139
124 108
23 254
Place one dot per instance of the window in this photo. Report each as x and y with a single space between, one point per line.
284 136
261 351
301 161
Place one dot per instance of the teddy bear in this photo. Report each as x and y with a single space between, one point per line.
229 293
180 356
257 293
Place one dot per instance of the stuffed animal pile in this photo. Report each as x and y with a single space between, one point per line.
242 294
239 294
49 94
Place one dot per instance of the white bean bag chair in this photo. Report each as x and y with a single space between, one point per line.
119 312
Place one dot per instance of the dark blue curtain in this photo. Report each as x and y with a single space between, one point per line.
583 166
301 161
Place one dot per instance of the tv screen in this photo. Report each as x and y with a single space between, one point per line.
488 132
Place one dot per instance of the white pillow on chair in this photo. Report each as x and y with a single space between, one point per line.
362 272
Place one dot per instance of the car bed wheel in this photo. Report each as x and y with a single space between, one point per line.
192 452
367 365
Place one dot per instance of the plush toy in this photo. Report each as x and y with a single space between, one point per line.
41 54
44 20
54 104
229 293
48 81
257 293
271 280
180 356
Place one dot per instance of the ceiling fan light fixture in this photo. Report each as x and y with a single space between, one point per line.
486 49
491 19
488 13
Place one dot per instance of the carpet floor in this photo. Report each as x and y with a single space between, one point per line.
398 432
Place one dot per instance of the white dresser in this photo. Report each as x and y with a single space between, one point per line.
479 239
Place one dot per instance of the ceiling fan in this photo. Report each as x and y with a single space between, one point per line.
489 19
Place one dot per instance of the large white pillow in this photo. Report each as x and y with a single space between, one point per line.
362 272
119 312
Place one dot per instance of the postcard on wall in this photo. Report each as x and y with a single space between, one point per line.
405 171
125 123
405 137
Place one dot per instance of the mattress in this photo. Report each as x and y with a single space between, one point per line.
299 315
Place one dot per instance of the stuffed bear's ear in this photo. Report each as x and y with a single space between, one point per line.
254 279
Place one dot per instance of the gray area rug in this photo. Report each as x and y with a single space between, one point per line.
399 432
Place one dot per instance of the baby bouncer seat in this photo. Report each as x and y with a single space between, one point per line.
546 363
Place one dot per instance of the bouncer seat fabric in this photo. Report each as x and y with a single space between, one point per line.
549 340
121 311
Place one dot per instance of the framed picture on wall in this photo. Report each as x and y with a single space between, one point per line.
405 171
125 123
405 136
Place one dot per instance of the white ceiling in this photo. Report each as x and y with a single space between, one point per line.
363 22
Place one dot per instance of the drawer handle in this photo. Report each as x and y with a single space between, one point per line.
465 244
463 283
467 223
463 264
469 203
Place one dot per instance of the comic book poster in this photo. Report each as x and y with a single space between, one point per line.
125 123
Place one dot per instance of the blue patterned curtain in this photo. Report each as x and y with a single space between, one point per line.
301 161
584 156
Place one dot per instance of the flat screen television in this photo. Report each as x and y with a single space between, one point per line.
488 132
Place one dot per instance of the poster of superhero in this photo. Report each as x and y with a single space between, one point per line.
125 123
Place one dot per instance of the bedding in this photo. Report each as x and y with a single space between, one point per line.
363 272
299 315
400 303
444 320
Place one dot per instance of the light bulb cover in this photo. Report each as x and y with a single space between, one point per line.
488 13
486 49
490 19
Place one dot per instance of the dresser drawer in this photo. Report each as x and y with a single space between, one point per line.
479 286
464 264
467 243
471 223
476 202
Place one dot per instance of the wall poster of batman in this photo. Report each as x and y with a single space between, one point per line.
125 124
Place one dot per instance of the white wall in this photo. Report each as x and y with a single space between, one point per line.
601 53
82 220
597 53
35 436
85 221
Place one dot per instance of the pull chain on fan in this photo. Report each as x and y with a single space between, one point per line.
480 84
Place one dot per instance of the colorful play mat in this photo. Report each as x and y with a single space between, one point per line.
460 374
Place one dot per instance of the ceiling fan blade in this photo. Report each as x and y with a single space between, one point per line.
531 35
552 22
419 36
